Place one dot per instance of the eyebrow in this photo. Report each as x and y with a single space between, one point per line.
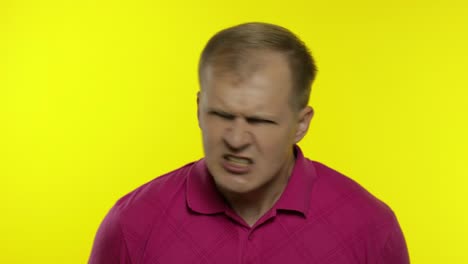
248 118
220 112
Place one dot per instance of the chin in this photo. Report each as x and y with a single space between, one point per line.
228 183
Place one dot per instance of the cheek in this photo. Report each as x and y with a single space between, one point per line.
211 131
273 137
274 144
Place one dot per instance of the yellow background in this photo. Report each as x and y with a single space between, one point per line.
98 97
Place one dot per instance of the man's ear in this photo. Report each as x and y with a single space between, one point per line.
305 116
198 108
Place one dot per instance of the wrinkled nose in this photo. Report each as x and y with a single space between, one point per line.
237 136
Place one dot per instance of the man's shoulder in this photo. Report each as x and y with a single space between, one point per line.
129 222
154 195
341 198
357 217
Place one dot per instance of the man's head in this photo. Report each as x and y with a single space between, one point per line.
235 50
255 82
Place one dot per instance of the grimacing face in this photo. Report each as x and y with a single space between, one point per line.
248 126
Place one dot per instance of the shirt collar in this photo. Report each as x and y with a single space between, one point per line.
203 196
297 194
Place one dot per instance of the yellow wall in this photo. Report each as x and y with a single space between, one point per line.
98 97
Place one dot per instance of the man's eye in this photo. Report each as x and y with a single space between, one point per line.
259 121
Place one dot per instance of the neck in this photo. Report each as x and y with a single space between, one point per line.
253 205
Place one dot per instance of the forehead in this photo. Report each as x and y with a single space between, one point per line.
241 64
263 85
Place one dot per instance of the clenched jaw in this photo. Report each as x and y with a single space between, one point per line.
237 164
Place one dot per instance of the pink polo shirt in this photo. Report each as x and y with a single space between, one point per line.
321 217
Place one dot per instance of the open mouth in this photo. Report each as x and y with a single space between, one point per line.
238 160
236 164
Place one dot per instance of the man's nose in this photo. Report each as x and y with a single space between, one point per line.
237 136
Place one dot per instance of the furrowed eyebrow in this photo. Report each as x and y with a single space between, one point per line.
249 119
221 114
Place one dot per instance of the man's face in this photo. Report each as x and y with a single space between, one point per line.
249 127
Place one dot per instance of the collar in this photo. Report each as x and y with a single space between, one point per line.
203 196
297 194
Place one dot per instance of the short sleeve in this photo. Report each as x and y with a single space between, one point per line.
109 244
395 250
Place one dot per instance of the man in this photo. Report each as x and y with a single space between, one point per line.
254 197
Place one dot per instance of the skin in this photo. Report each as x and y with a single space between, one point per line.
249 129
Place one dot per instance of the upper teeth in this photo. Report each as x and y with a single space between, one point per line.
238 160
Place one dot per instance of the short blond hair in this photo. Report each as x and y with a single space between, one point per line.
232 49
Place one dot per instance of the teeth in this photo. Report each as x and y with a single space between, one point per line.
238 160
